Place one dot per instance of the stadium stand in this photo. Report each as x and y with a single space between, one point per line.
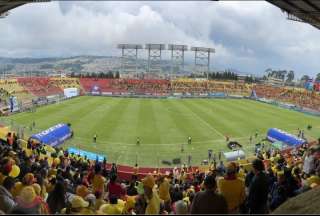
39 86
26 89
41 179
65 82
89 83
13 88
141 86
296 96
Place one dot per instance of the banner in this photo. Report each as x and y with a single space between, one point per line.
70 92
89 155
217 94
53 136
275 134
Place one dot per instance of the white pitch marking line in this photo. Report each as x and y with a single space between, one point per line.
207 124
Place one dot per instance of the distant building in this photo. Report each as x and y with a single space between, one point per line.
241 77
274 81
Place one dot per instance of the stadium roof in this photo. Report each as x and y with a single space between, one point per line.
307 11
6 5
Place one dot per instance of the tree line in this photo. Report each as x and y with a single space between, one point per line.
226 75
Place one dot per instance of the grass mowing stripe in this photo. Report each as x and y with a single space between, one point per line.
164 125
197 115
224 118
197 130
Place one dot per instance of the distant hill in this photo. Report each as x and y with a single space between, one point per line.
77 65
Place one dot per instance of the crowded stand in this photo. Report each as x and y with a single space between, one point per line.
39 86
141 86
26 89
65 82
204 86
299 97
36 178
89 83
12 87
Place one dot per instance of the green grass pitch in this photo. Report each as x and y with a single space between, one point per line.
164 125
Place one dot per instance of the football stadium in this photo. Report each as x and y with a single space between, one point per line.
154 139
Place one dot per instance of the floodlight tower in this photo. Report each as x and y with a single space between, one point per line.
154 57
129 57
202 59
177 56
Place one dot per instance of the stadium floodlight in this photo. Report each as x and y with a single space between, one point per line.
154 57
177 47
129 46
203 49
129 57
177 56
155 46
202 59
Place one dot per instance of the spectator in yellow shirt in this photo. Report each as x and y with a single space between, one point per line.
164 193
152 199
98 181
314 179
232 188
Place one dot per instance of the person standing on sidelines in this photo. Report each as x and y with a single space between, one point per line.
227 138
182 148
95 138
189 140
138 141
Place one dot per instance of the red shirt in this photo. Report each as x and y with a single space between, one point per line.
115 189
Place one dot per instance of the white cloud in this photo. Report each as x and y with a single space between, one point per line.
248 36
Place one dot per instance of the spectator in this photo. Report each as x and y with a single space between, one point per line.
181 207
115 207
99 199
115 188
278 191
82 191
98 180
7 202
308 162
151 196
208 201
30 202
258 189
57 198
164 193
232 188
131 189
221 169
77 206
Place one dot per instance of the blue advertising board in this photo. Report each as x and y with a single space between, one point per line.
89 155
53 136
275 134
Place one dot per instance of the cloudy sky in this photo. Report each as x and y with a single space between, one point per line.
249 36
